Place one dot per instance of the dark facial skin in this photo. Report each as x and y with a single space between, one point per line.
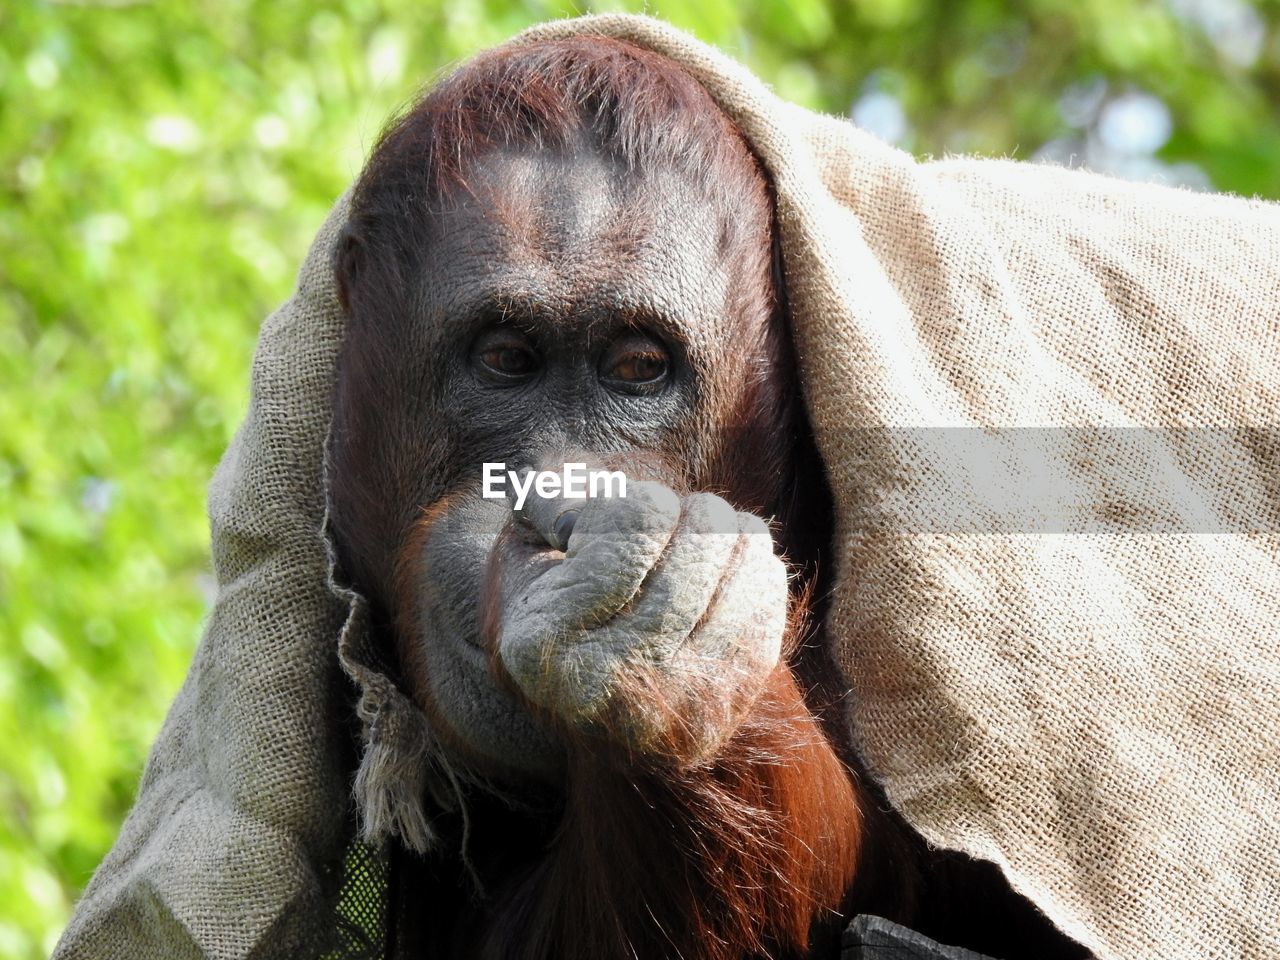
565 308
544 291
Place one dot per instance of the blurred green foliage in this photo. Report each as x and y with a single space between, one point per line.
163 166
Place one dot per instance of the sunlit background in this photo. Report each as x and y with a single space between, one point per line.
163 167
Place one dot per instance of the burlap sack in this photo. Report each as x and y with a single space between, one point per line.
1045 401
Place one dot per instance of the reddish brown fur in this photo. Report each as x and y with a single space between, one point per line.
738 858
537 96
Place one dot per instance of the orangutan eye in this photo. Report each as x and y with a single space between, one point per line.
513 361
635 362
506 356
640 368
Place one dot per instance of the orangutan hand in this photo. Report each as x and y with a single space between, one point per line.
657 625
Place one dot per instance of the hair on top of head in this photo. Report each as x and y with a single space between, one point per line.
639 107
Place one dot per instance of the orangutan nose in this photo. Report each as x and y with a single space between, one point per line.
563 529
549 508
549 519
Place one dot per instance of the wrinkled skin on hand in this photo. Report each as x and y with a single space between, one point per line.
657 625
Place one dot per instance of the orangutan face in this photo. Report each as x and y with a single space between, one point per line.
565 309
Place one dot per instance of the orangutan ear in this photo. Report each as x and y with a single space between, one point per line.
348 259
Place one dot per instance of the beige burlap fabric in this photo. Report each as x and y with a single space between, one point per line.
236 838
1065 663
